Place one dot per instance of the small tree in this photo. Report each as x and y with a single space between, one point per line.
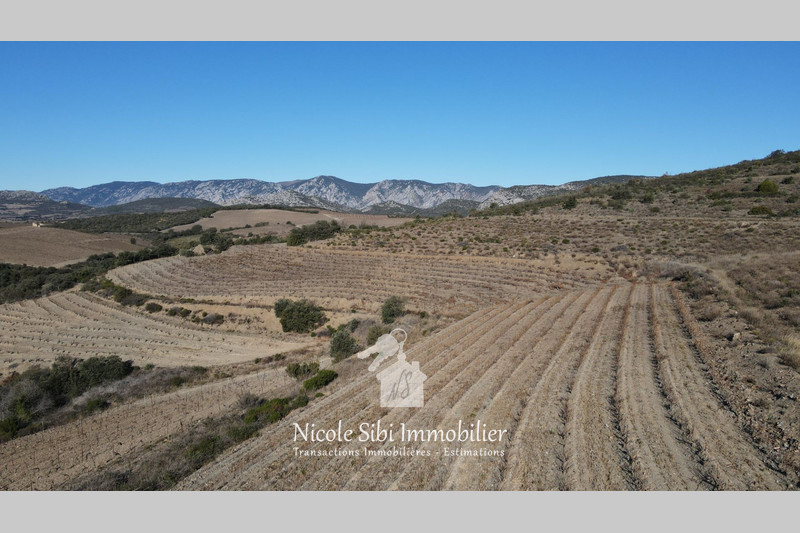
392 309
343 345
570 203
302 316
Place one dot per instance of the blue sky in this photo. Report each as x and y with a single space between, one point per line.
78 114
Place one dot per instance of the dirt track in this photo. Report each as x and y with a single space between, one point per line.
598 389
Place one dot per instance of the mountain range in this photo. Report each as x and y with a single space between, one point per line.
329 192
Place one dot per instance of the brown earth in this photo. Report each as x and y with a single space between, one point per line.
516 366
54 247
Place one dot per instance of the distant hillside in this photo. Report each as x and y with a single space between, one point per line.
396 197
18 206
155 205
522 193
766 186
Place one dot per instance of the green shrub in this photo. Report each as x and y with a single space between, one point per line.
322 378
203 451
319 230
98 370
37 391
392 309
788 180
301 316
280 305
767 187
761 210
343 345
153 307
648 198
269 412
302 370
570 203
241 433
96 404
299 401
375 332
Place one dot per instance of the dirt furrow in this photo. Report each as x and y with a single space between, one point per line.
506 408
536 456
459 372
244 466
729 456
660 460
507 355
592 439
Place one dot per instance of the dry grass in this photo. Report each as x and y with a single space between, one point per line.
58 247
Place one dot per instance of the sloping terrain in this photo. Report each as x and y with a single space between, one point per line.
51 458
79 324
40 246
650 420
343 279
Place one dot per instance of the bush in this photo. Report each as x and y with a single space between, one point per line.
280 305
375 332
322 378
761 210
302 370
392 309
570 203
153 307
98 370
96 404
648 198
322 229
343 345
38 391
213 318
201 452
767 187
269 412
301 316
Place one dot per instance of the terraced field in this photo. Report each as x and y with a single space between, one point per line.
598 383
598 388
51 458
79 324
343 279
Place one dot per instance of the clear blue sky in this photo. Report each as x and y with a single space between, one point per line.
485 113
